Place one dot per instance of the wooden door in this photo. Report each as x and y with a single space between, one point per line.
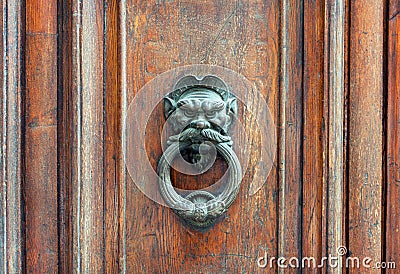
327 70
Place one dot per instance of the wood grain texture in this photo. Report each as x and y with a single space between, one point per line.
335 77
12 243
346 115
314 130
90 133
3 198
393 136
86 118
291 130
64 135
70 69
122 62
112 132
41 17
242 36
40 186
365 130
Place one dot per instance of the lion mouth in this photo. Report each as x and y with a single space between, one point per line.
197 136
191 140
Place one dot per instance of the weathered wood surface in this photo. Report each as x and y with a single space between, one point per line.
244 37
64 136
11 174
90 128
334 149
40 184
313 130
393 136
113 161
71 67
291 130
365 130
86 121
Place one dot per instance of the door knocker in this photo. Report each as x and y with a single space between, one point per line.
200 112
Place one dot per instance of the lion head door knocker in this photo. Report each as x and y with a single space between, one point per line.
200 111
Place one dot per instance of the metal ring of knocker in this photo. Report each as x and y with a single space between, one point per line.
200 110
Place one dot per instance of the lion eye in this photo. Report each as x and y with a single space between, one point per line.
189 113
211 114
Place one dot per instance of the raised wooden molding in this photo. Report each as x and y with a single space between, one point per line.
11 242
334 168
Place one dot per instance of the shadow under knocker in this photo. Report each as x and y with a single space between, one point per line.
200 112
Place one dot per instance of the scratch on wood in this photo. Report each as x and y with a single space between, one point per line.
211 46
394 15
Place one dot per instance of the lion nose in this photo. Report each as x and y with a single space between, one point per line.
200 124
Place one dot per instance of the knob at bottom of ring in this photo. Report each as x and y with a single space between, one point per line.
199 217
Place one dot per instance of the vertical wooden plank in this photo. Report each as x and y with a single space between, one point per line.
90 127
10 144
2 152
65 126
240 35
335 91
113 127
86 105
40 187
393 136
291 130
91 139
313 162
365 136
346 128
122 47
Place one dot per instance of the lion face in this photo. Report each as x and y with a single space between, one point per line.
200 112
201 109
